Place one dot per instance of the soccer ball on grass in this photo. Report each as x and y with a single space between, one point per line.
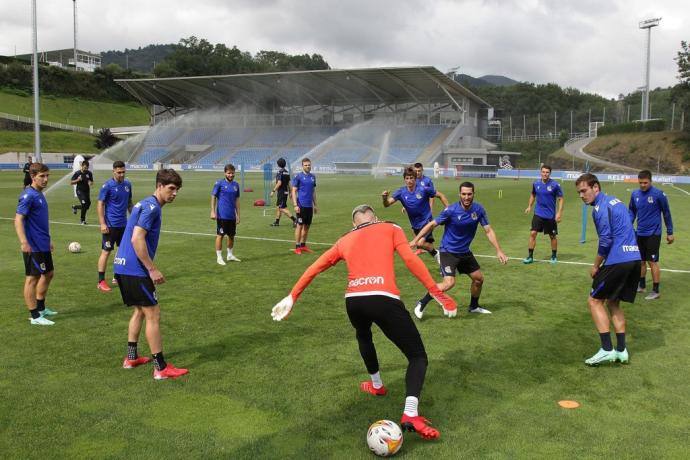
384 438
74 247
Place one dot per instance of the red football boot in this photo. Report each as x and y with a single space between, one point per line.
306 249
131 363
298 251
419 425
103 286
170 372
368 387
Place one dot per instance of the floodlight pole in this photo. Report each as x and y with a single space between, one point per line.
74 9
37 114
647 24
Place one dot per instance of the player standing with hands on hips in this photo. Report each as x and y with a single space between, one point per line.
372 297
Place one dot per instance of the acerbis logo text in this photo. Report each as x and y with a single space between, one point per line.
364 281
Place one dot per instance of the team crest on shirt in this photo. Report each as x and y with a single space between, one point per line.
548 188
650 199
474 216
419 196
126 189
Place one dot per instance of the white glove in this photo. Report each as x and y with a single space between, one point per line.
282 309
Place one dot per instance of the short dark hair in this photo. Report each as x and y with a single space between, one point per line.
645 174
281 162
36 168
419 165
545 166
85 163
229 167
589 178
168 176
466 185
409 171
118 164
305 159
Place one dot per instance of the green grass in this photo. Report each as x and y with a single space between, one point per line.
51 141
75 111
259 389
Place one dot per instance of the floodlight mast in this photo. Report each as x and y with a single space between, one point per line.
74 12
37 113
647 24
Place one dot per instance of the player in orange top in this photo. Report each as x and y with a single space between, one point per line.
373 297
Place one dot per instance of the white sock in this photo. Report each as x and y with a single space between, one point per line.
411 404
229 251
376 380
219 254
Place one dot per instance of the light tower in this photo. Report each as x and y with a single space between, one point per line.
647 24
74 9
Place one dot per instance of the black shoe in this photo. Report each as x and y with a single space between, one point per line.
74 210
275 224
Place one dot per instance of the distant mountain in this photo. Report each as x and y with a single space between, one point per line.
486 80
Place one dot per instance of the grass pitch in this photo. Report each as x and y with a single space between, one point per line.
259 389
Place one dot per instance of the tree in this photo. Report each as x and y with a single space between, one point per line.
680 93
105 139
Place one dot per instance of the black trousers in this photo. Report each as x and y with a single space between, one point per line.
84 203
395 322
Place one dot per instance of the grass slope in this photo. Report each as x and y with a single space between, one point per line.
259 389
75 111
51 141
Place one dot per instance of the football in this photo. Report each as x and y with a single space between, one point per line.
384 438
74 247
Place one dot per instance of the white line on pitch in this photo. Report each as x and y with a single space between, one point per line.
277 240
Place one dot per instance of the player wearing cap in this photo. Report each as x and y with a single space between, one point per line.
114 202
647 205
545 192
616 267
137 275
372 297
31 225
460 220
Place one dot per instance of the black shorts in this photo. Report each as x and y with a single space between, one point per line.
282 199
113 237
137 290
649 247
38 263
548 226
27 181
617 282
226 227
84 198
463 263
429 238
304 216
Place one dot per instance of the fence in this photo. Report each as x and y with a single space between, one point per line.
52 124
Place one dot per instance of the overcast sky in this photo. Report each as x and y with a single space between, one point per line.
592 45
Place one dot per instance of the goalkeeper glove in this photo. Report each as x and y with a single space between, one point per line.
282 309
450 308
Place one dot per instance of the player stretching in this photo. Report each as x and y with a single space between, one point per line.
225 210
647 205
460 220
545 191
282 188
416 200
372 296
82 180
137 275
114 202
616 267
304 199
31 225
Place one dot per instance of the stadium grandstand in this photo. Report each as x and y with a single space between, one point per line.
381 116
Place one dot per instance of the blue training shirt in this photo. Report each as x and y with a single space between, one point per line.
34 207
546 195
648 207
227 193
460 226
416 203
617 240
305 185
116 197
147 215
427 183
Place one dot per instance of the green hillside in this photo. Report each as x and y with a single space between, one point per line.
75 111
51 141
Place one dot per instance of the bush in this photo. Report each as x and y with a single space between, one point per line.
634 127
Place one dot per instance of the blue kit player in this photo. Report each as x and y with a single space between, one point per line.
304 199
31 225
225 210
416 199
616 267
647 205
137 275
114 202
424 181
545 192
460 221
282 191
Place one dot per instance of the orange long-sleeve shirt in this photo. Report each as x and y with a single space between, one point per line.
368 252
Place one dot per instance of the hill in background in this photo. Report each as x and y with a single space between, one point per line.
486 80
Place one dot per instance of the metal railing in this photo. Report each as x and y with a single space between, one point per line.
52 124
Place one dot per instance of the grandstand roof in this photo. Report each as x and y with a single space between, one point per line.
394 85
